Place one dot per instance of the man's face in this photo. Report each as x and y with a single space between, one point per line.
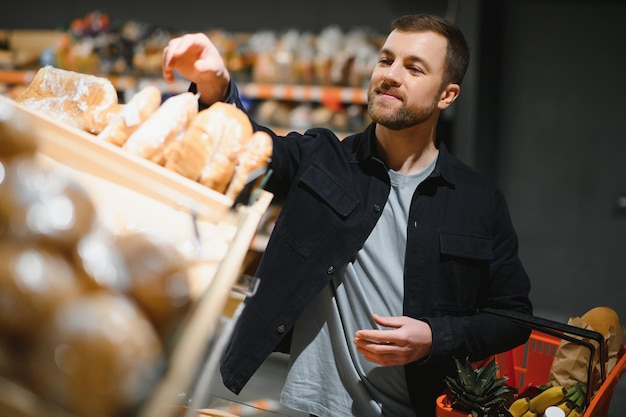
405 87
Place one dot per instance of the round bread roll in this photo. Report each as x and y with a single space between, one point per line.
166 124
159 280
222 129
97 356
99 263
34 281
43 205
138 109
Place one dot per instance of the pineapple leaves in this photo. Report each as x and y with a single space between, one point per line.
479 391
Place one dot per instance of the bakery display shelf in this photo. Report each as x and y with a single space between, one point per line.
132 193
83 151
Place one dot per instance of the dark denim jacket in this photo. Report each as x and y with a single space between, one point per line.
461 254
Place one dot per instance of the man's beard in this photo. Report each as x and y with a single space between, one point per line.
402 118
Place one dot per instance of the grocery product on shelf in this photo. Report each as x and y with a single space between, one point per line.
136 111
168 122
204 152
212 147
84 101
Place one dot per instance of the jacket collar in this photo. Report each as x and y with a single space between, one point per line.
365 153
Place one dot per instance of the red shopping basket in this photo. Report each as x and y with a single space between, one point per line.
530 363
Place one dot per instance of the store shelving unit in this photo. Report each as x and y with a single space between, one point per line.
216 236
304 93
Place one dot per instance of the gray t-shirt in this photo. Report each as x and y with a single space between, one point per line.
327 376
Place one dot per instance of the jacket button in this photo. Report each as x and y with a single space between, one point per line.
376 208
330 270
281 329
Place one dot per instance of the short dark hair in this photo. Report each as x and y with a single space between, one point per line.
457 53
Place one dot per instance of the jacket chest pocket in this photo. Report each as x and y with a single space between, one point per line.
463 269
316 206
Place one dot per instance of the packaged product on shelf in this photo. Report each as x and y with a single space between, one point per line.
84 101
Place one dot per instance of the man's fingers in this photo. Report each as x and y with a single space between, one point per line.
394 322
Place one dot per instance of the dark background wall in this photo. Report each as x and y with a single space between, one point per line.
235 15
545 118
541 112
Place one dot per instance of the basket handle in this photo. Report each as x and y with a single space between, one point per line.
562 331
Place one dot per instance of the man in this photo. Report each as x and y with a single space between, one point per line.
386 248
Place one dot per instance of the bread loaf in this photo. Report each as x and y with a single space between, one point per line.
166 124
34 281
138 109
228 130
251 163
220 129
42 205
207 152
81 100
98 355
159 280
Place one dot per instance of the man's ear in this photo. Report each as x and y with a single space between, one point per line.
448 95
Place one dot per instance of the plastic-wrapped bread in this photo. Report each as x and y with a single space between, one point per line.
232 132
81 100
212 140
166 124
219 172
138 109
252 161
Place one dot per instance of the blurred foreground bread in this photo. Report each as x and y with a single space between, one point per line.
98 355
86 321
84 101
159 279
16 135
42 206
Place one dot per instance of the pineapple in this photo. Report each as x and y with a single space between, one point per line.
479 391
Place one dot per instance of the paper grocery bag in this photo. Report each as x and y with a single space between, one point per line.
570 364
